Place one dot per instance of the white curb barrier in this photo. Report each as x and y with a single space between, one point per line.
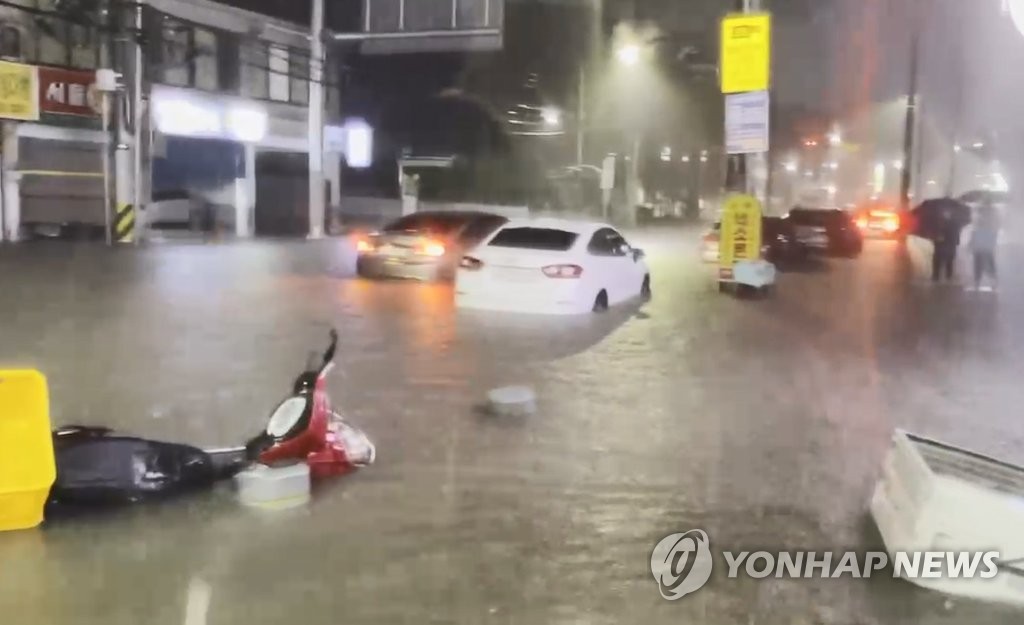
512 401
274 488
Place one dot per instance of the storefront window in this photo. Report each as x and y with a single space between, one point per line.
229 73
299 70
51 37
279 84
10 42
175 43
205 60
84 46
255 61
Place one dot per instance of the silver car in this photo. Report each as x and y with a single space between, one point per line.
425 245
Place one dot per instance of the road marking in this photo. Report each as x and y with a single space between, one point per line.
198 604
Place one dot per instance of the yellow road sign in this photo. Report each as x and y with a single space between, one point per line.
19 91
740 235
746 52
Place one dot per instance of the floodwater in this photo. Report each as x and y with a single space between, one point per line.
762 422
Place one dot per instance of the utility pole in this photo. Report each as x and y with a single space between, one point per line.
316 122
911 114
581 114
107 53
736 165
124 221
138 127
107 145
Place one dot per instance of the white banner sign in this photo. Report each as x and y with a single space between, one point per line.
746 122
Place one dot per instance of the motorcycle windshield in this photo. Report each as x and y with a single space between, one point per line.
287 415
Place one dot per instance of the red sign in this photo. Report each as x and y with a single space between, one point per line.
67 91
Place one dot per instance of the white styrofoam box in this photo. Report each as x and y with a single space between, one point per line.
261 486
755 273
937 497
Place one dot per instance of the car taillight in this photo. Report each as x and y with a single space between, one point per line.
563 271
430 248
470 263
365 245
862 223
891 225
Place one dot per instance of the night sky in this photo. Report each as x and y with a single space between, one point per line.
833 59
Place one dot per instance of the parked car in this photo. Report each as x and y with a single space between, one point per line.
779 243
552 266
171 210
830 231
64 231
206 210
424 245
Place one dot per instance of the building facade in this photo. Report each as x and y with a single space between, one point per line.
222 123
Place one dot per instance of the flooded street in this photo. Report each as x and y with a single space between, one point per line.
762 422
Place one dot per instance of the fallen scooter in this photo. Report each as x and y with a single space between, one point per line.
304 427
97 467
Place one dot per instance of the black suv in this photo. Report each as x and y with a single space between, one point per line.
827 230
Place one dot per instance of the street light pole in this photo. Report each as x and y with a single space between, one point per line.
316 122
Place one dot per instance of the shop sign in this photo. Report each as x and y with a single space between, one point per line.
19 95
67 91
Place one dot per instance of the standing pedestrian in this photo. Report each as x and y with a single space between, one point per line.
949 219
984 238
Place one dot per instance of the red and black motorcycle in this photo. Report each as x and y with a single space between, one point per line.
97 467
305 427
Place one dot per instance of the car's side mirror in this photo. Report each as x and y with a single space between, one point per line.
637 254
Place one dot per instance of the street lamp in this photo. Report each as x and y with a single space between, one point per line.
551 116
628 55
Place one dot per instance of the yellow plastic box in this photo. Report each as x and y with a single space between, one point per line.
27 466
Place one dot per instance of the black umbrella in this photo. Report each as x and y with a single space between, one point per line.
982 196
930 215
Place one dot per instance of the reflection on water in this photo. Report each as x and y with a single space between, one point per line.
695 411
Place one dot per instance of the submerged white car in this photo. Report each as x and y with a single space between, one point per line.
552 266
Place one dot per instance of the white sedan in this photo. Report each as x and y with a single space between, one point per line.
551 266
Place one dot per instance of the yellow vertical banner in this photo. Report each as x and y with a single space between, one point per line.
19 91
740 233
746 52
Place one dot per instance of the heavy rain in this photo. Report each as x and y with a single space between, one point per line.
542 194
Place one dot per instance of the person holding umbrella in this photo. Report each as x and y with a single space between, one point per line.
941 220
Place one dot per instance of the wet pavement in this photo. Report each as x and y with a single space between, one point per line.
761 422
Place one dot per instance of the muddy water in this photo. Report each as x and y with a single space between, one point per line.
761 422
